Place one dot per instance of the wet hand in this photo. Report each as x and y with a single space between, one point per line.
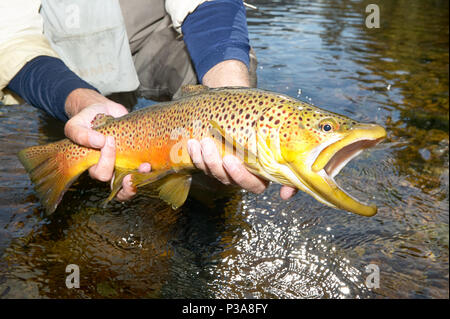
205 155
79 130
229 170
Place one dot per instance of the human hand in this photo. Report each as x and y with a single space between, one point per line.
229 170
82 105
205 155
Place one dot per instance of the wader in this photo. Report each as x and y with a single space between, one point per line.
126 49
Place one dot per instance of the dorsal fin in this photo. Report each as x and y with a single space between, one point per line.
101 119
192 89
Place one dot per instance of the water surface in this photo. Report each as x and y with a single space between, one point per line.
258 246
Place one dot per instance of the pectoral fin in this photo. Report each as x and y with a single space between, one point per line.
242 152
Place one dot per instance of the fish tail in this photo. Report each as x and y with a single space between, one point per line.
53 168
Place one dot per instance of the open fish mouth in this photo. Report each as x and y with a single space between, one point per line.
346 154
330 161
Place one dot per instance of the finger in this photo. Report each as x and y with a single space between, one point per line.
213 160
287 192
241 176
78 132
109 108
145 168
128 190
104 169
195 152
116 110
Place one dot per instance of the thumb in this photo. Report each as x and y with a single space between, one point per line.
83 135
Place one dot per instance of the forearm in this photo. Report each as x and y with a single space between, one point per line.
216 37
46 83
227 73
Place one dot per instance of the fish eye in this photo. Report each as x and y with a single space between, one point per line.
327 126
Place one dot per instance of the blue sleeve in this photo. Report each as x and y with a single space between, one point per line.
216 31
45 82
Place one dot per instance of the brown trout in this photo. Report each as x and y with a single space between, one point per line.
278 138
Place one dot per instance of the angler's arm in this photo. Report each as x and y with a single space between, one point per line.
21 40
216 36
217 39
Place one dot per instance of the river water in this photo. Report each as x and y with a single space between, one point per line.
258 246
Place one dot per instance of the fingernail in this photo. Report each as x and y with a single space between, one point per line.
110 141
144 167
97 140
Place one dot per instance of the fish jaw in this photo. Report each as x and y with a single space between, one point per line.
336 155
324 188
319 169
319 185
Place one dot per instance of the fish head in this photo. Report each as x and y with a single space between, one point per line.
308 149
